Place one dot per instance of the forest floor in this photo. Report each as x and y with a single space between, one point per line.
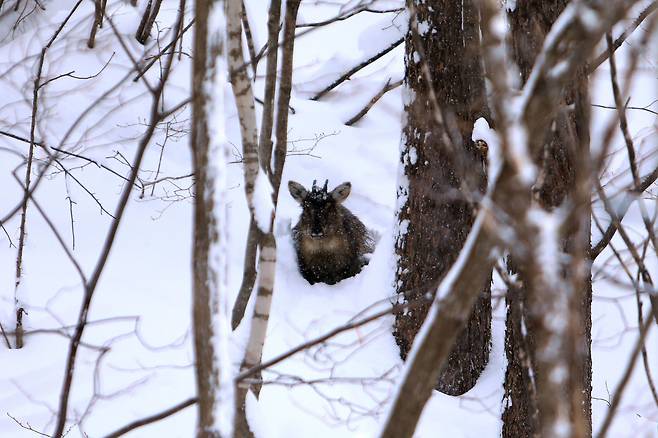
137 357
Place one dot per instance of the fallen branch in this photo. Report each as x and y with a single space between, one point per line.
153 418
345 76
387 87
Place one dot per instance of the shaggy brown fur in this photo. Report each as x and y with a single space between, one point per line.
331 242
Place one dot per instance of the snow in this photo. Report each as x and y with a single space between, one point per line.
219 268
141 310
263 205
482 131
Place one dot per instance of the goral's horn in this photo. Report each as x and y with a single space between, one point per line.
324 189
314 188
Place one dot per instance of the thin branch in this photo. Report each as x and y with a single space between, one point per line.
58 236
645 358
345 76
27 426
593 65
640 108
248 275
646 276
626 377
155 58
350 14
623 123
609 233
332 333
28 174
387 87
153 418
4 335
90 286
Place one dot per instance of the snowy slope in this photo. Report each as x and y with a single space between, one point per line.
142 305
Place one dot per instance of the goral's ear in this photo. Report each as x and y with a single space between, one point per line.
297 191
341 192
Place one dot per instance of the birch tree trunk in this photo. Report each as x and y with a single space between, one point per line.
210 318
443 174
247 116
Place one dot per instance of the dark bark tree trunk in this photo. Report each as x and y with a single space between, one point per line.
445 176
566 149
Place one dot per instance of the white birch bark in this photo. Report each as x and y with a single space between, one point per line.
244 100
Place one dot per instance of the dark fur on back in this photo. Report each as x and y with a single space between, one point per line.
330 241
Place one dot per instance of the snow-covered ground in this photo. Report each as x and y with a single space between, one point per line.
137 355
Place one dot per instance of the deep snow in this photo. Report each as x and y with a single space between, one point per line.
145 290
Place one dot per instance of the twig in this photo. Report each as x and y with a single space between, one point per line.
609 233
387 87
162 148
4 335
593 65
62 151
623 123
69 132
646 108
65 170
350 14
11 243
619 391
71 202
646 276
630 147
28 172
27 426
58 236
153 418
90 285
345 76
645 358
141 72
129 53
71 75
338 330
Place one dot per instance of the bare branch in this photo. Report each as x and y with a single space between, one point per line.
345 76
153 418
28 175
90 285
601 58
626 376
387 87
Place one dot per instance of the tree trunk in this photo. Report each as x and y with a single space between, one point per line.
209 308
561 164
445 175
